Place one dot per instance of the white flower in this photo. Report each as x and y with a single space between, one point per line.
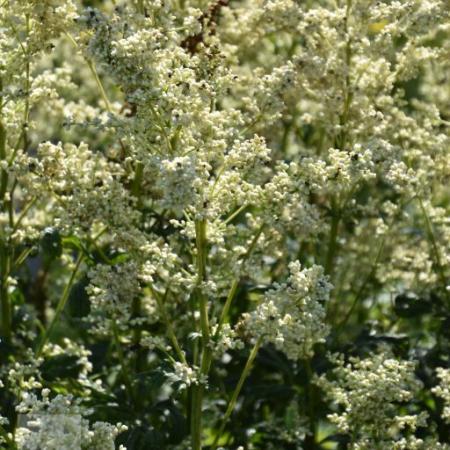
291 316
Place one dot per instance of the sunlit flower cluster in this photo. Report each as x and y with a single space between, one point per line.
196 192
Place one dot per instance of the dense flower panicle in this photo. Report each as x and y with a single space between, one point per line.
291 316
163 162
60 423
226 340
367 392
443 390
111 291
185 375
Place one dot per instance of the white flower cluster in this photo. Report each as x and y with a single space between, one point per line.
186 375
187 151
84 188
70 348
291 315
59 423
227 339
443 390
368 393
23 376
111 291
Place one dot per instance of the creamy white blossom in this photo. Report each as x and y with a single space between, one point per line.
291 315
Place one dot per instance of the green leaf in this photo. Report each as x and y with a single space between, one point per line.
74 243
51 244
409 304
61 367
174 422
78 303
142 438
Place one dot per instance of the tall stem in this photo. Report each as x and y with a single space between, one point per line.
123 363
170 331
4 173
198 390
235 283
60 307
341 141
26 116
4 251
435 247
332 241
237 390
5 300
310 440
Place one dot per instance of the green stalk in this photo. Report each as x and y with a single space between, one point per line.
137 181
94 72
348 93
136 306
60 307
362 288
21 258
4 251
310 441
341 143
235 283
332 241
27 91
4 173
200 234
168 323
22 215
198 390
235 213
237 390
434 246
123 365
5 301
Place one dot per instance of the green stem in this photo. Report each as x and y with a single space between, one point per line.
363 287
235 284
27 90
198 390
137 332
332 242
434 246
4 174
237 390
99 84
4 250
137 181
22 215
170 331
234 214
5 300
348 93
200 237
22 257
95 75
60 307
310 440
123 364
